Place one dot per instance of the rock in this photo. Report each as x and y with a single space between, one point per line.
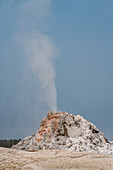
64 131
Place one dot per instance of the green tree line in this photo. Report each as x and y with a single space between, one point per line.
8 143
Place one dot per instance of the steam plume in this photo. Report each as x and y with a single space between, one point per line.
38 48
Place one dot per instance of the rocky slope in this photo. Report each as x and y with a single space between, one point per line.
64 131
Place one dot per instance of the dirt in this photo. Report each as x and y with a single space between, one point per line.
11 159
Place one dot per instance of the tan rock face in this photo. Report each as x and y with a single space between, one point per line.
46 124
64 131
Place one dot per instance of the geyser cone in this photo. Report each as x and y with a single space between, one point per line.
64 131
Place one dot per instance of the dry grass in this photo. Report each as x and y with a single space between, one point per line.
51 160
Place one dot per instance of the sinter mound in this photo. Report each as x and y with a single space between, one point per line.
64 131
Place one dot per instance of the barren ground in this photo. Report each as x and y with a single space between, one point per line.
50 160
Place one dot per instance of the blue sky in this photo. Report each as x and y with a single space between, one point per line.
76 38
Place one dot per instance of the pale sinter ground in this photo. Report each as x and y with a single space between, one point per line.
52 159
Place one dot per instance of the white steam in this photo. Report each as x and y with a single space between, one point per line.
40 54
39 50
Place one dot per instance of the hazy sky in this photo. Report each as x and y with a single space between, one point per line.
55 54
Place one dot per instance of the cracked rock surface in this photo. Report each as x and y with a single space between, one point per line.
64 131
